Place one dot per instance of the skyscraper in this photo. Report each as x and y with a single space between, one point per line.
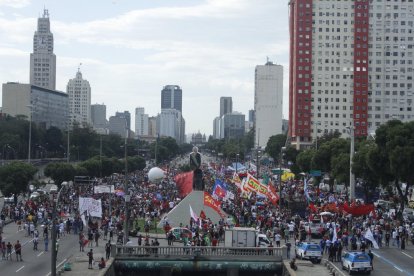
79 92
98 116
43 60
351 65
268 102
127 117
226 105
141 122
172 97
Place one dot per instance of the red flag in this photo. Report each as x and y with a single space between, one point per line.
203 215
272 195
184 183
212 203
312 208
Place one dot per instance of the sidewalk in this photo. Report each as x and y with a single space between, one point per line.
79 262
306 268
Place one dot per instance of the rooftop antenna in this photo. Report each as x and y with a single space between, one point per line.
79 66
45 12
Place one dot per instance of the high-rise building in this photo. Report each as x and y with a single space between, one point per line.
251 115
118 125
79 92
127 117
226 105
98 116
141 122
169 123
42 106
216 128
43 60
268 102
232 125
172 97
350 66
152 126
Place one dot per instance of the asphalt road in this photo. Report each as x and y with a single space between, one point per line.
35 263
391 261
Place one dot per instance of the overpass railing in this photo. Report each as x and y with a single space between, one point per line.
206 251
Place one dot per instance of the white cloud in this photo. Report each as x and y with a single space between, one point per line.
209 49
17 4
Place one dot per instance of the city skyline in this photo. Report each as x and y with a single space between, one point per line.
129 51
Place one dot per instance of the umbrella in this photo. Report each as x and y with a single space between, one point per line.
326 214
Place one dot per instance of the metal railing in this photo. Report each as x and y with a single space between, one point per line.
191 251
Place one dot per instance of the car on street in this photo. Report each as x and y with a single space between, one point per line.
309 251
356 261
180 232
9 199
315 228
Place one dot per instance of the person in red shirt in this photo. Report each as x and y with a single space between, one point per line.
18 250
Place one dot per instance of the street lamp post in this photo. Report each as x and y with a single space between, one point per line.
351 156
258 162
127 196
53 232
30 132
282 149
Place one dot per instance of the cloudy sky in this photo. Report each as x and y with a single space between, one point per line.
130 49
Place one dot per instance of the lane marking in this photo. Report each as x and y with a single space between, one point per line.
40 253
389 262
58 266
411 257
20 269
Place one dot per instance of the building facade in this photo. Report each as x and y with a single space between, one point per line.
351 65
226 105
232 126
98 116
172 97
47 108
141 122
216 128
268 102
43 60
79 92
169 123
118 125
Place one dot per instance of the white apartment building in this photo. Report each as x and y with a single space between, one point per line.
43 60
169 123
351 64
268 102
79 92
141 122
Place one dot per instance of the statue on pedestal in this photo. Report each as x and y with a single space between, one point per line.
195 164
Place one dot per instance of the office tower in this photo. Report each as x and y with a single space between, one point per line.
48 107
226 105
172 97
251 115
98 116
232 126
43 60
79 92
350 65
216 128
127 117
268 102
169 124
141 122
152 126
118 125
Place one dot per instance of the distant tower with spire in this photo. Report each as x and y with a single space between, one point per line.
43 60
79 92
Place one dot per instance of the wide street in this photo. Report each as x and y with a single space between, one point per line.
35 263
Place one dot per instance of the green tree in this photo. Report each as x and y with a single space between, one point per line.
304 160
15 177
275 144
60 172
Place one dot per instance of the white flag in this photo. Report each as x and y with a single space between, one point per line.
193 215
369 236
335 236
